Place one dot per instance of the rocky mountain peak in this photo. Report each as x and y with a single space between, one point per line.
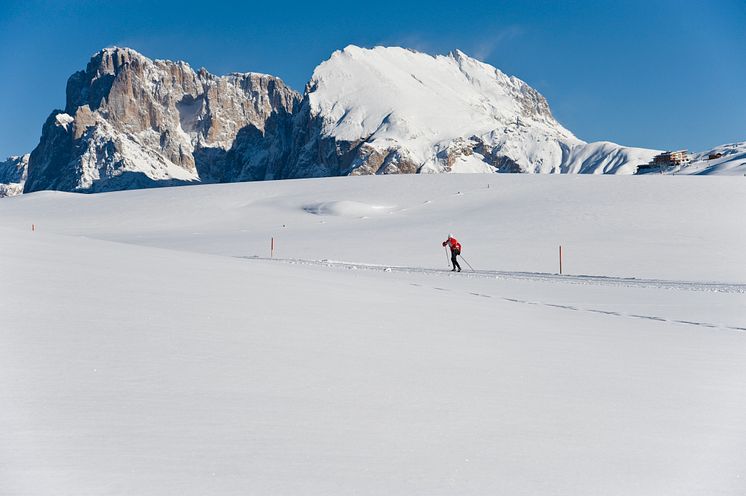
92 85
131 121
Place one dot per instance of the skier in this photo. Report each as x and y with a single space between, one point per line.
455 247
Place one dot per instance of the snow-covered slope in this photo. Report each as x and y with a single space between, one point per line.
732 161
628 226
390 110
141 353
13 175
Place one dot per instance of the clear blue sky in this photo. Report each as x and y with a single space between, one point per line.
658 74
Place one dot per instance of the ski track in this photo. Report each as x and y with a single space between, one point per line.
544 277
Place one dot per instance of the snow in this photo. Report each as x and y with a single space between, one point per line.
346 208
148 348
471 164
358 90
604 157
13 173
132 158
732 162
393 97
63 120
389 94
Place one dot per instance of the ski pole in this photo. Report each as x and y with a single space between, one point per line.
448 260
467 263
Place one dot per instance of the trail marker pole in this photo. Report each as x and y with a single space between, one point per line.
272 247
33 227
560 259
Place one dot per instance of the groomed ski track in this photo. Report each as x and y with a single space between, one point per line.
717 287
631 282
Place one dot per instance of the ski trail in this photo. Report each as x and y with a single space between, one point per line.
543 277
621 315
631 282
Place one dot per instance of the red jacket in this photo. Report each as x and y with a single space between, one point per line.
453 244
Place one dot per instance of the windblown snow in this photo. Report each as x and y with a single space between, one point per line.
150 346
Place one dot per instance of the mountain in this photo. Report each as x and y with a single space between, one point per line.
390 110
13 175
727 160
132 122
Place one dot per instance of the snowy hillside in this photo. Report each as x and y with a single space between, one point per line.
151 347
731 162
416 112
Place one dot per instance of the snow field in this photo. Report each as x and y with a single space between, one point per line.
676 228
142 353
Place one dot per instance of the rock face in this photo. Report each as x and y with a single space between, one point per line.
131 122
13 175
134 122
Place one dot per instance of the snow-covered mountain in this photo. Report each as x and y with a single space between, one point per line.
727 160
389 110
132 122
13 175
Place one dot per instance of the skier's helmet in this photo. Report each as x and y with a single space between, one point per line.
450 235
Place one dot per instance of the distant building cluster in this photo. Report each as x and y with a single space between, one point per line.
665 161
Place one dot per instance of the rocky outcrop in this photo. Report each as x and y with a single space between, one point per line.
13 175
131 122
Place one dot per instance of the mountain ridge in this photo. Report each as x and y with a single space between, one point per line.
131 122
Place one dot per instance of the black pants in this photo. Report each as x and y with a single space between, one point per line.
454 254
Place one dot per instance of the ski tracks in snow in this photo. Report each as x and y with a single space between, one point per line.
614 314
620 314
630 282
546 277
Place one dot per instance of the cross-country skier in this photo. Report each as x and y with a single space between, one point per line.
455 247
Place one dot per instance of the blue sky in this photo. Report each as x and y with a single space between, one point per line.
658 74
